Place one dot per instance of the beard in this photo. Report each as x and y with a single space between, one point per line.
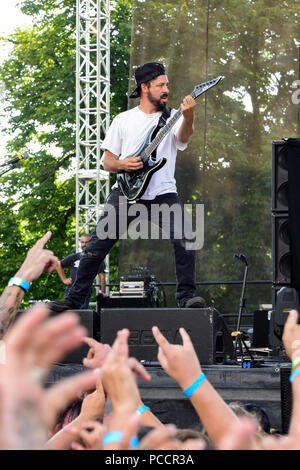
158 103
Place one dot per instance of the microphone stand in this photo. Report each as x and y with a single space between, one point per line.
12 167
238 334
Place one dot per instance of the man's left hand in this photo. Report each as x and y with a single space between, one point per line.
188 107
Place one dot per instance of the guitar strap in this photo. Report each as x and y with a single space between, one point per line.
162 122
164 117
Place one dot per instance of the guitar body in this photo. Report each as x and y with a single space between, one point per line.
133 184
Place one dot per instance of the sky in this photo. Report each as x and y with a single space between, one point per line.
10 19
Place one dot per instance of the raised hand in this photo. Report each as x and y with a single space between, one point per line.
97 353
180 362
37 261
118 378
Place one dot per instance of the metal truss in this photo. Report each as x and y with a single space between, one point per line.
92 111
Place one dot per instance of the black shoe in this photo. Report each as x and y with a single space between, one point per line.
193 302
59 306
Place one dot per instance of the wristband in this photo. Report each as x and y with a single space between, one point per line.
296 362
192 388
142 408
134 442
294 374
295 368
17 281
110 437
116 436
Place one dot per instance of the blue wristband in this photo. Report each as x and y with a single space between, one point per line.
134 442
110 437
142 408
294 374
116 436
17 281
192 388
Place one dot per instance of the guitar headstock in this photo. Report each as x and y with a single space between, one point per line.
199 89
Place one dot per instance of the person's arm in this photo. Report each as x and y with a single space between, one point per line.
182 365
102 283
37 261
186 129
112 164
147 418
291 341
61 273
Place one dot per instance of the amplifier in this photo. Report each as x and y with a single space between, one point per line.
123 301
131 287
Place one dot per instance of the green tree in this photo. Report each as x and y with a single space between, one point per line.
39 88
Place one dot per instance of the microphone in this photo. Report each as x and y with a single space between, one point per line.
24 156
241 257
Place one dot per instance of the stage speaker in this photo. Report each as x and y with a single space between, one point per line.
206 327
286 398
91 321
286 212
282 261
281 255
261 327
279 177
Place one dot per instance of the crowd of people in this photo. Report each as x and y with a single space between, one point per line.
101 408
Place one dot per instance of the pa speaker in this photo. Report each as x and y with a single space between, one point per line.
286 212
91 321
206 327
279 177
282 261
281 253
261 327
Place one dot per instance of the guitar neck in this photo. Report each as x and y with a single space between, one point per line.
198 90
162 133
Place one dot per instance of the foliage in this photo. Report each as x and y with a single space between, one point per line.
39 88
254 45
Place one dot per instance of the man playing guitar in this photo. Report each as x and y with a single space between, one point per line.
125 136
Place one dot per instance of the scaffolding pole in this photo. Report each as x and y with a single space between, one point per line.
92 112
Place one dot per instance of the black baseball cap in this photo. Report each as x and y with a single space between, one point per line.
144 73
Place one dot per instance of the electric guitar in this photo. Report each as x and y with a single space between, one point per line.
133 184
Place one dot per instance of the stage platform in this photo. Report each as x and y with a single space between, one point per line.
266 386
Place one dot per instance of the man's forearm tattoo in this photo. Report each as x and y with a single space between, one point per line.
8 310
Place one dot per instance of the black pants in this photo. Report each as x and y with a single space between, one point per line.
97 248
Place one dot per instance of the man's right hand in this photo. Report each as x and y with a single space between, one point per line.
68 281
131 164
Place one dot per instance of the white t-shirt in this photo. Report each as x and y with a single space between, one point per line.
125 137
